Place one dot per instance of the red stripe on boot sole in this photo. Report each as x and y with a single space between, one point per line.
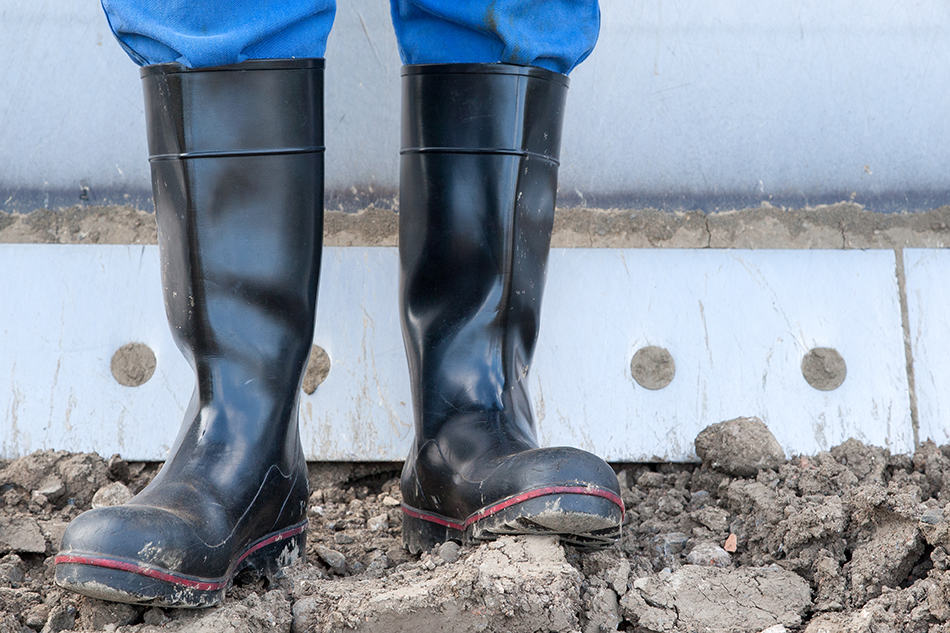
178 579
510 501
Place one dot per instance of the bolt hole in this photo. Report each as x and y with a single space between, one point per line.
318 368
653 367
824 369
133 364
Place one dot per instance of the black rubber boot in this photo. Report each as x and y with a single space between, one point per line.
237 173
477 186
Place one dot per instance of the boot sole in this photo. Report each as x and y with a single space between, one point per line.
585 518
132 582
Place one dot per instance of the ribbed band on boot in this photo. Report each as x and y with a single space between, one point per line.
240 123
478 108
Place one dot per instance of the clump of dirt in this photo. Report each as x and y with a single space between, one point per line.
853 539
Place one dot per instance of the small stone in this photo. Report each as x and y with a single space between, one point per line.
38 499
390 501
342 538
52 488
740 447
154 617
60 618
35 617
378 523
731 544
334 559
709 555
306 614
53 531
669 544
377 564
118 468
95 615
397 554
113 494
449 551
932 516
11 570
698 499
21 534
712 517
776 628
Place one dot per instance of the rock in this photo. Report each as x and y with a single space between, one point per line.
831 584
747 599
513 585
885 560
377 564
21 534
11 570
731 544
378 523
52 488
268 613
710 555
114 494
61 618
118 468
306 614
449 551
36 616
83 474
601 610
669 544
334 559
154 617
713 517
833 623
740 447
8 624
95 615
932 516
53 530
342 538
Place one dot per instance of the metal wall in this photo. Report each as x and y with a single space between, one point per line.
682 104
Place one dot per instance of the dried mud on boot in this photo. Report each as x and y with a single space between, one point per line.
853 539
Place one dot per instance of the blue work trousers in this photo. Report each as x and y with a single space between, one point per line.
553 34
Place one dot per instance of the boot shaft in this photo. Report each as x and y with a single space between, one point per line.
236 155
477 188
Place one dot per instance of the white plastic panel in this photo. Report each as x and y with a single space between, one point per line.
928 309
736 322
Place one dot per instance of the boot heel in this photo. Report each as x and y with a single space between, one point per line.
420 535
268 561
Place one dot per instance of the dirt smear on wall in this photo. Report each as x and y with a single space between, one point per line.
843 225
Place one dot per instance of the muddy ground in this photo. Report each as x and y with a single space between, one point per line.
854 539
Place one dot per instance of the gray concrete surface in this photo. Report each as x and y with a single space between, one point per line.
683 105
